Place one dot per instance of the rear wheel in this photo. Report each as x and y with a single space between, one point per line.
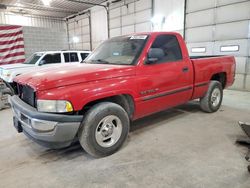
104 129
211 102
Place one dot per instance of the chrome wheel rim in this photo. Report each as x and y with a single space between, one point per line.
215 97
108 131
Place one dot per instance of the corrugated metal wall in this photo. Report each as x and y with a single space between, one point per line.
221 27
37 21
173 11
131 17
40 33
79 27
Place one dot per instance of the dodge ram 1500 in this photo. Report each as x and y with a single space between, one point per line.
125 78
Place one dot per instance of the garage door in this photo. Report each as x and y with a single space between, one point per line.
79 33
221 27
130 17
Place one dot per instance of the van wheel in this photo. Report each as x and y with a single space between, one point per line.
211 102
104 129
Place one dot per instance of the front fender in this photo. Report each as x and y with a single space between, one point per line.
81 94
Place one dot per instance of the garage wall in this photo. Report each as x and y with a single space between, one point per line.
79 28
43 39
40 33
34 21
130 17
221 27
173 11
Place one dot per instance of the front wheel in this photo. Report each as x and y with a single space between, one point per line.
104 129
211 102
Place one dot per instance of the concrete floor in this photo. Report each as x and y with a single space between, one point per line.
182 147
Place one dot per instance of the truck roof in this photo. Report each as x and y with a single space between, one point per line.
59 51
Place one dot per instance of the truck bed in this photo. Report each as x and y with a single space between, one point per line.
205 67
208 56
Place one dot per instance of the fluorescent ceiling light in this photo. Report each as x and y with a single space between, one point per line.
46 2
75 39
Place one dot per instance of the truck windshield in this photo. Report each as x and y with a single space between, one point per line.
33 59
119 50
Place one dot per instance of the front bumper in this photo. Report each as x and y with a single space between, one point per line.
63 127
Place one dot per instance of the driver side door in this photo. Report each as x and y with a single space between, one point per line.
166 82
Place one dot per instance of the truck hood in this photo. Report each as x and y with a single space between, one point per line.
68 74
15 66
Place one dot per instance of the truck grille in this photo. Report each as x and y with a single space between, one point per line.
26 93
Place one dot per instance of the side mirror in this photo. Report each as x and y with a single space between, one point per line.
42 62
154 55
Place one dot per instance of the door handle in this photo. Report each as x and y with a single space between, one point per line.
185 69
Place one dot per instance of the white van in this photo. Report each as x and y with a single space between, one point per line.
9 72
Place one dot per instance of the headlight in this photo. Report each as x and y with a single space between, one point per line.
6 73
54 106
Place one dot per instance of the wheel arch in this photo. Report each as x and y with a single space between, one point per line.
126 101
220 77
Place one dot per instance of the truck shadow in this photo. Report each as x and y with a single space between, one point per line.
165 116
137 127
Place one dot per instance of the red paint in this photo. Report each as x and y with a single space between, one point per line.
83 83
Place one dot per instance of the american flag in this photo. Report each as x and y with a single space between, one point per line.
11 45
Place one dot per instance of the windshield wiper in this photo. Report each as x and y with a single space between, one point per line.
101 61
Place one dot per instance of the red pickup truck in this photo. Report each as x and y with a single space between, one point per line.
125 78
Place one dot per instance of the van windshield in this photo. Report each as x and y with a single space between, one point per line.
33 58
119 50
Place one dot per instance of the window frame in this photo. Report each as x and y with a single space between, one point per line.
180 49
51 54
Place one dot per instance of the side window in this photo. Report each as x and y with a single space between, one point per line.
70 57
84 55
73 57
52 58
66 57
170 47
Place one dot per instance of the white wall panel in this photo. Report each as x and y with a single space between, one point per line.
143 16
99 25
243 47
241 65
86 46
247 82
199 34
128 9
143 27
85 29
128 30
229 22
195 5
209 46
128 20
37 21
115 32
194 19
226 2
142 5
238 82
173 11
116 12
234 30
235 12
115 22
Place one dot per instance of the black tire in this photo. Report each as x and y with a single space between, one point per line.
91 123
206 102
